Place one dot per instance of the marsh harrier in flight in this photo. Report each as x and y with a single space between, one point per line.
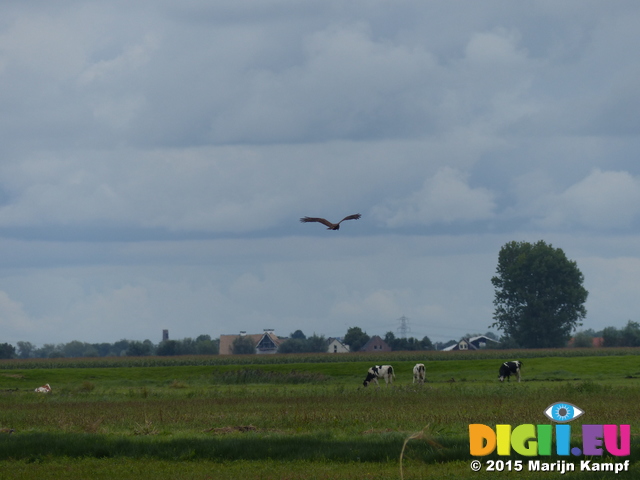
330 226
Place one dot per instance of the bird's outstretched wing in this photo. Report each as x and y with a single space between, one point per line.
350 217
320 220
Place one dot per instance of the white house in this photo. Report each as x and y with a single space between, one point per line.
334 345
473 343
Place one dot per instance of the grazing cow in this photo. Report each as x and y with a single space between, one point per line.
418 373
44 389
507 368
380 371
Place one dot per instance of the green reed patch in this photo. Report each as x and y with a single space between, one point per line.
39 447
249 375
371 357
371 448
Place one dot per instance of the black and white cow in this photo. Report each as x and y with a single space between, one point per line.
507 368
418 373
380 371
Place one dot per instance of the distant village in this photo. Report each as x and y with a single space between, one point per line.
268 342
246 343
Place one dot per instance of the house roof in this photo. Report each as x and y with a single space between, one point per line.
469 341
226 341
377 339
274 338
481 337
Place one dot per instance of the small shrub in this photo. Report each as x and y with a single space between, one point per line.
143 392
87 386
582 340
146 429
589 386
92 427
178 384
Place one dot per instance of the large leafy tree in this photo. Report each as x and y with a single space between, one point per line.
356 338
243 346
7 350
25 349
539 296
315 343
411 343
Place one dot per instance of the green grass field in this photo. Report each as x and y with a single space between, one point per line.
294 416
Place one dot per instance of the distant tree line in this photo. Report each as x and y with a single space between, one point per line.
627 336
410 343
356 338
7 350
202 345
299 343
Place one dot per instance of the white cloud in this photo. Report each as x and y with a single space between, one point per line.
611 282
603 200
494 48
131 58
444 198
202 190
376 304
13 318
346 84
44 44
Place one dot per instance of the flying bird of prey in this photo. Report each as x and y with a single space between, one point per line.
330 226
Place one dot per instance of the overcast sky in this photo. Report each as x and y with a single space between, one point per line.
156 156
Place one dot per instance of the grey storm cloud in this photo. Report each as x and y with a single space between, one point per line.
155 158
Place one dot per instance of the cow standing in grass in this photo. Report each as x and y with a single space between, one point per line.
418 373
380 371
507 368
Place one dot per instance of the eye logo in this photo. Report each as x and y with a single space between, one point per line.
563 412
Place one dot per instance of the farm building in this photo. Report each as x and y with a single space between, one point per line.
473 343
595 342
335 345
266 342
375 344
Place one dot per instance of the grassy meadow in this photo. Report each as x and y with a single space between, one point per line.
295 416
